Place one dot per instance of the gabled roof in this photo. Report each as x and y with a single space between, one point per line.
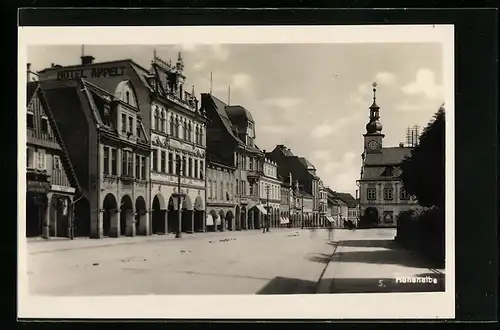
388 156
306 163
31 88
238 114
221 111
346 198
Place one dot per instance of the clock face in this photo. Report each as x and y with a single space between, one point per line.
372 145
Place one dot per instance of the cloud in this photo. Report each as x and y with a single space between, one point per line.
326 129
341 175
273 129
424 84
285 103
241 81
385 78
321 154
219 52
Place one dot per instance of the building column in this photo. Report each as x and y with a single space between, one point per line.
130 221
114 230
166 221
204 220
144 224
192 222
100 223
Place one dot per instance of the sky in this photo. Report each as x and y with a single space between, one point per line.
313 98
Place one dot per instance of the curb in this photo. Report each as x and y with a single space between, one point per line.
325 285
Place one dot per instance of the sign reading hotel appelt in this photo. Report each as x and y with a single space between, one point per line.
91 73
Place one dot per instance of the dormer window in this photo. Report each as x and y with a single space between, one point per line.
44 124
131 125
30 120
389 171
106 118
156 119
138 129
124 122
127 97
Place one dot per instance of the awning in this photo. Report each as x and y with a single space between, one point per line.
329 219
282 221
210 220
287 220
261 209
217 220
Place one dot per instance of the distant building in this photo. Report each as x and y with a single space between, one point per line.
323 204
287 205
50 177
300 169
382 195
351 204
230 137
221 194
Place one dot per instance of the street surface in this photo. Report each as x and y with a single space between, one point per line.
249 262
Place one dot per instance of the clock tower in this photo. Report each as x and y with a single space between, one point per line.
373 136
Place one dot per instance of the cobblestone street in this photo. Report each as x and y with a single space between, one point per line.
248 262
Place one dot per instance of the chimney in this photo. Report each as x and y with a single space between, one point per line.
401 144
87 59
28 71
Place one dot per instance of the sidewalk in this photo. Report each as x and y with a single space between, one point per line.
40 245
377 265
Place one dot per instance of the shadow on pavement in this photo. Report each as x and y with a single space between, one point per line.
375 243
383 285
285 285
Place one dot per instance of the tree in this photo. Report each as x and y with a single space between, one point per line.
424 169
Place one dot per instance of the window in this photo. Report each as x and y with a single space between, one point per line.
138 167
57 163
201 169
196 168
215 189
209 189
201 136
131 124
371 194
190 132
403 194
231 191
124 122
124 163
237 187
190 167
196 135
44 124
172 126
222 190
184 164
30 121
113 161
130 161
127 97
227 191
251 190
170 163
155 160
30 157
143 168
163 125
40 159
106 116
251 164
157 120
185 132
388 193
163 161
177 127
106 160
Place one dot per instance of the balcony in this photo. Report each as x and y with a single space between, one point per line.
126 178
41 138
253 176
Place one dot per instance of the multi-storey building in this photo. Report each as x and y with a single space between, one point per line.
221 194
301 169
270 191
230 137
108 148
287 205
51 182
382 195
323 204
178 138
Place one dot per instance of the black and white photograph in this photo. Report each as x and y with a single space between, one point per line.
236 172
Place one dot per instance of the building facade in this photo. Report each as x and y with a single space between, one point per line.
231 138
109 149
382 195
270 192
323 204
221 195
178 139
51 183
287 205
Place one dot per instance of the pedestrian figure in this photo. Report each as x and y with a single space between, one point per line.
330 231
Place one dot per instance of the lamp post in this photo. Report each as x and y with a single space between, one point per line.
268 188
302 207
179 162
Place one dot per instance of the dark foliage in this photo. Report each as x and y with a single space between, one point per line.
424 169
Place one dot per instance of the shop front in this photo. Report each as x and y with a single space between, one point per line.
37 190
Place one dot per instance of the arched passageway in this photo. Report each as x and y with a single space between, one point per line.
126 216
371 216
158 214
140 216
243 218
110 216
237 218
230 220
187 215
199 214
